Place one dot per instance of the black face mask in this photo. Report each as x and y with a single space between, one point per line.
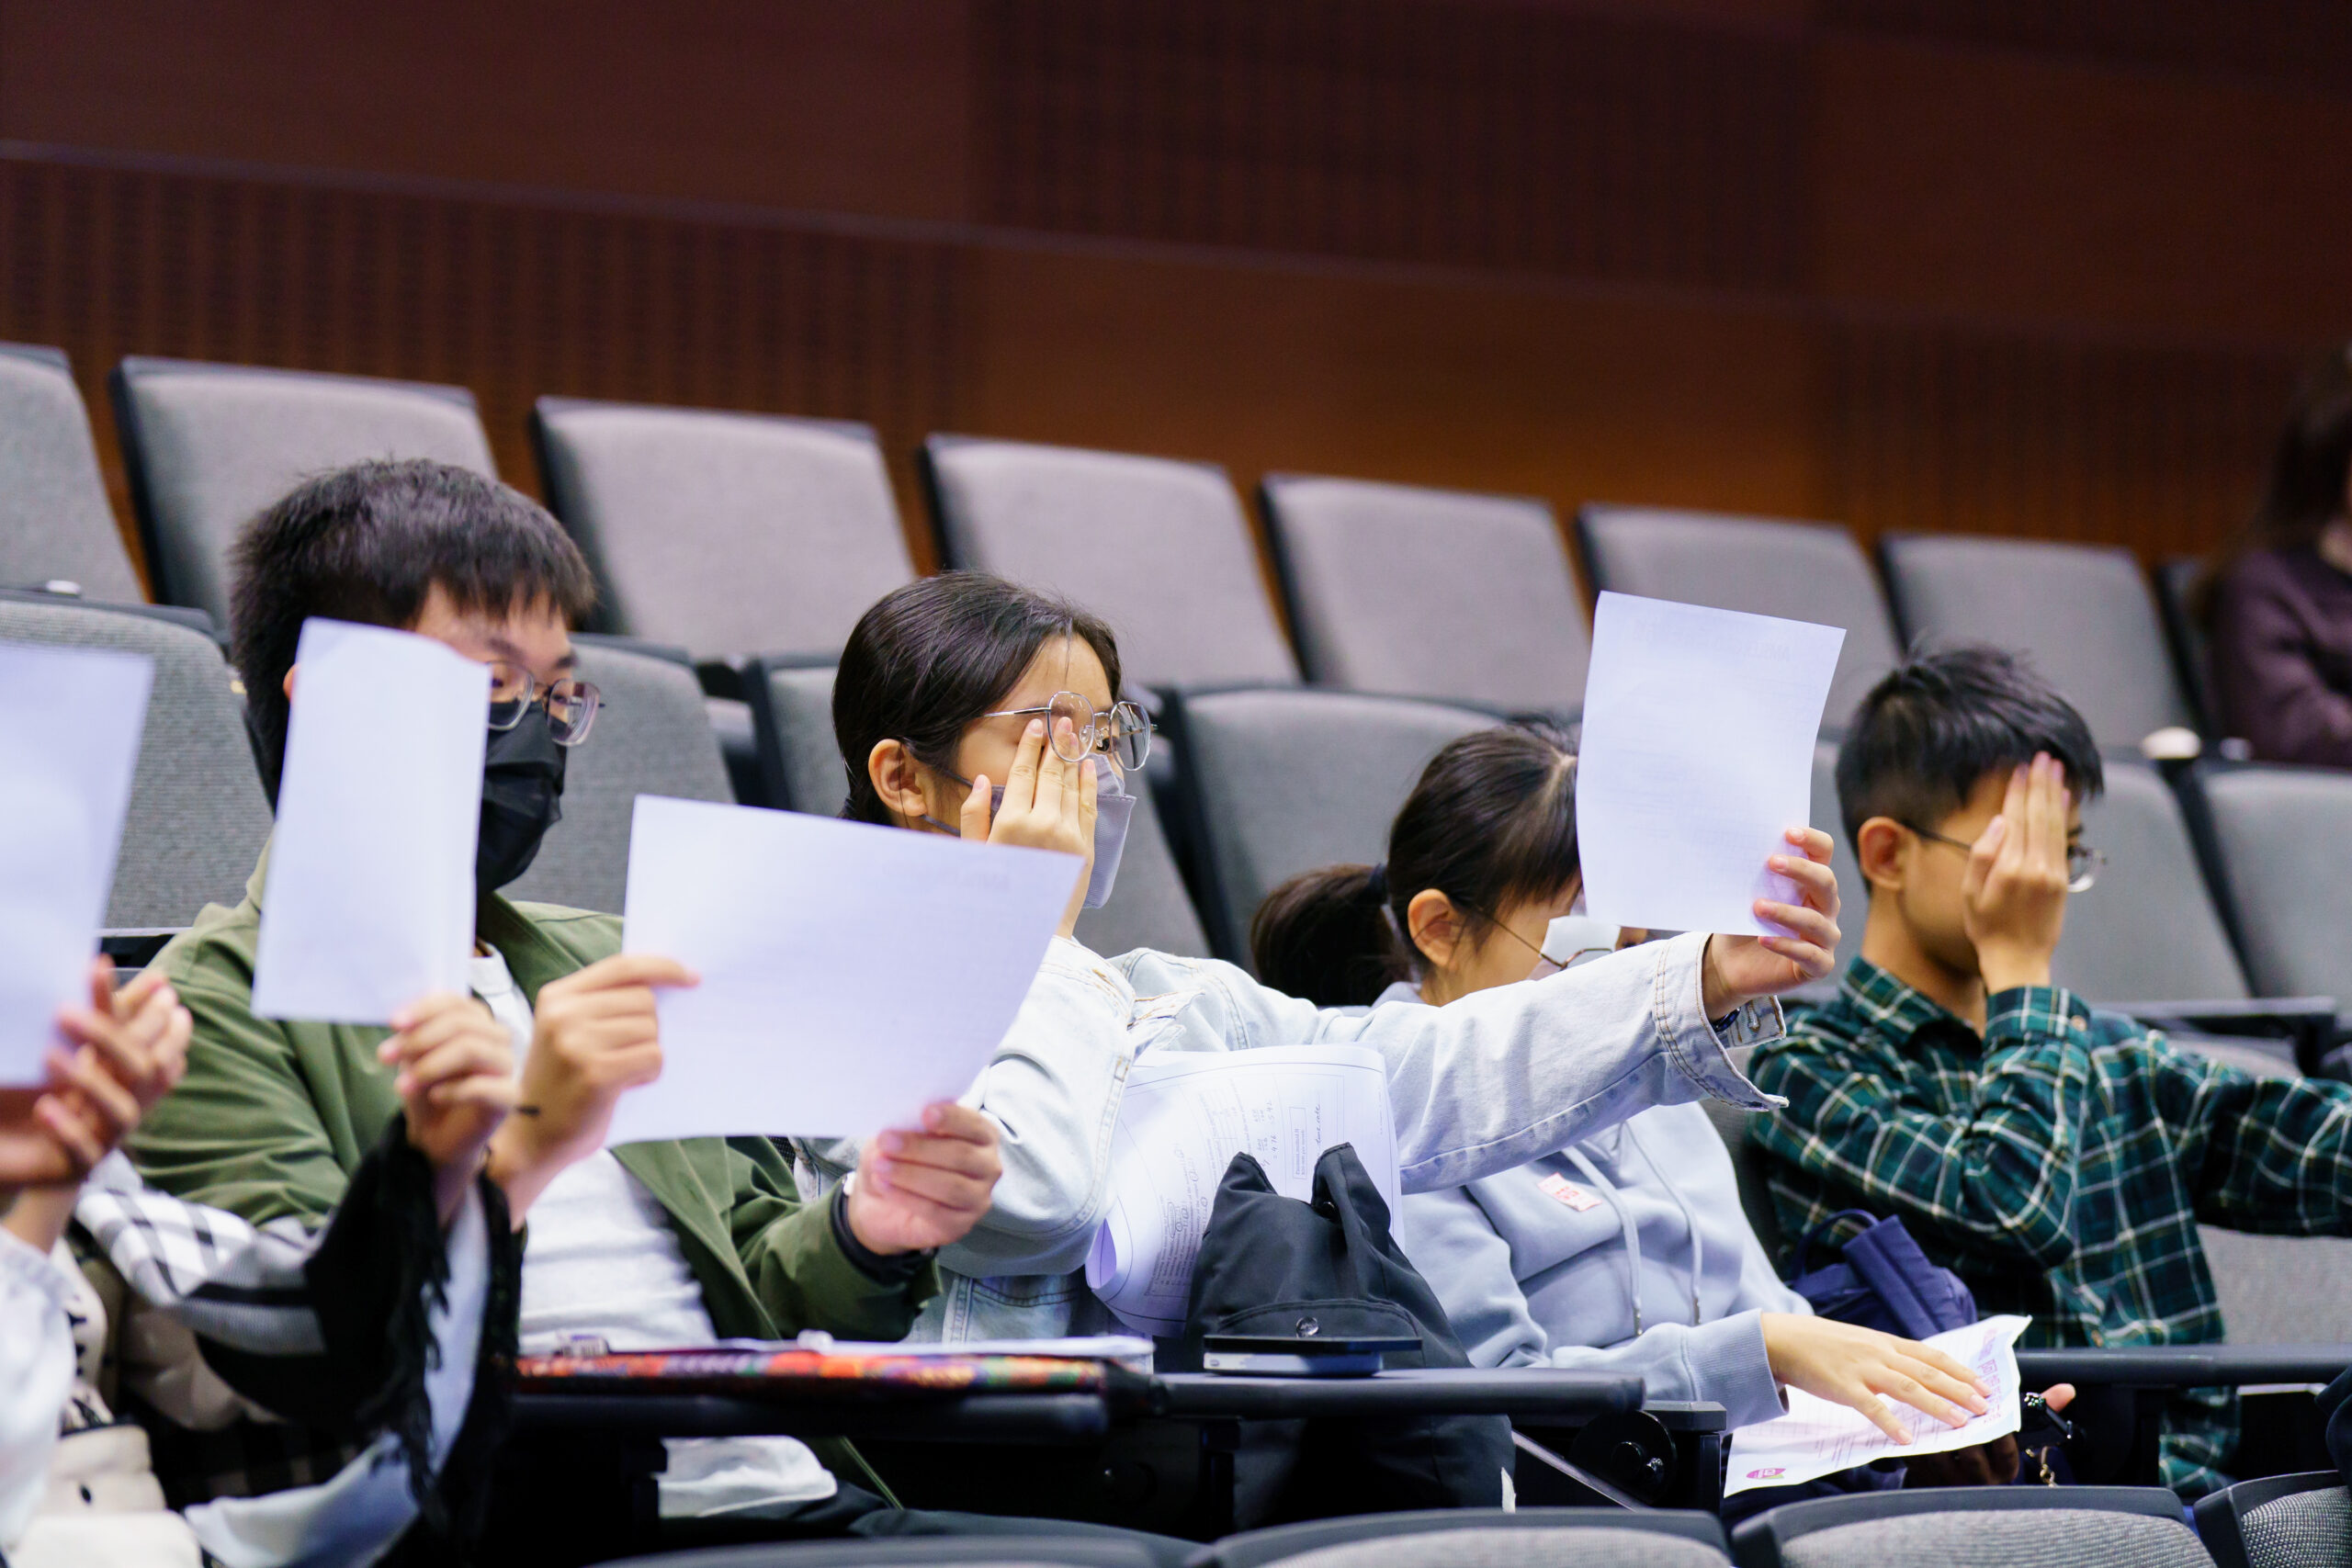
522 784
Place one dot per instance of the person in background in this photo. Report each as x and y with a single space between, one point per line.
955 683
2278 605
1625 1252
2057 1158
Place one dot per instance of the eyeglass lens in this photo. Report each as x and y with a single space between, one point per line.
1123 733
570 705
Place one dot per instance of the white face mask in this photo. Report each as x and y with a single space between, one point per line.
1572 940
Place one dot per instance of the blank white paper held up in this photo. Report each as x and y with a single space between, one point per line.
1185 1115
850 973
1696 757
368 903
70 722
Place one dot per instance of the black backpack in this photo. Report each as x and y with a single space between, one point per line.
1272 1266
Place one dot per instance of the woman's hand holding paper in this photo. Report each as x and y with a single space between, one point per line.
129 1047
1738 969
919 1189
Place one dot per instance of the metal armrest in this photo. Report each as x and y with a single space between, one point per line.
2184 1366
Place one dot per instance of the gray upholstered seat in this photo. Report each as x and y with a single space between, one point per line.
728 534
2082 612
197 816
1482 1538
1159 548
1802 571
1984 1527
1287 781
209 446
2148 931
2281 840
2280 1521
55 525
916 1552
2175 582
1434 594
1853 896
792 708
652 737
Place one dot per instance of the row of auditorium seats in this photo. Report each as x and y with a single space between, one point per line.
2290 1521
733 535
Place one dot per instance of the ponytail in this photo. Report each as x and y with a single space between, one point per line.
1328 936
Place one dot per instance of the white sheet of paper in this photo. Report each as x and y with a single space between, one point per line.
1185 1115
1696 757
1817 1438
70 722
370 900
851 973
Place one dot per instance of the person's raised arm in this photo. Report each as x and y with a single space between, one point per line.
2267 1154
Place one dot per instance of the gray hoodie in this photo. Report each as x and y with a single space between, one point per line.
1627 1251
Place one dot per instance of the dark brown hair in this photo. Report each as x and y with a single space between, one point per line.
928 659
1492 824
2309 468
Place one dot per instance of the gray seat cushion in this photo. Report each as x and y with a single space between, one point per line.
2302 1529
197 817
1429 592
1801 572
726 534
1586 1546
55 525
1288 781
2148 929
2024 1538
2083 611
652 737
1158 548
211 445
2279 834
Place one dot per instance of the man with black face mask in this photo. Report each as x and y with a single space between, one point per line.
646 1246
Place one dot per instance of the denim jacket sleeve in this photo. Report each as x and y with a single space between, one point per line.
1053 1088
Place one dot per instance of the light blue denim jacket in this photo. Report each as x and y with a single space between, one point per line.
1478 1088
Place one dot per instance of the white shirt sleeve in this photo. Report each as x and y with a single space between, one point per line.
36 1376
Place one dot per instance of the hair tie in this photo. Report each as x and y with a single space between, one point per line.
1376 884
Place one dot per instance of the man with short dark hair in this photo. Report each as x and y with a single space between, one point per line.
647 1245
2058 1159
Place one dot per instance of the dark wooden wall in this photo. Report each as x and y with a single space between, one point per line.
2040 266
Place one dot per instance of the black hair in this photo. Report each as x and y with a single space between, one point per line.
367 543
929 658
2310 469
1492 824
1940 722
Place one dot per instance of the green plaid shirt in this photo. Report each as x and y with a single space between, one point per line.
2060 1165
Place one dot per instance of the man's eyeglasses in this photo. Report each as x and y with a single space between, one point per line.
1123 733
570 703
2083 862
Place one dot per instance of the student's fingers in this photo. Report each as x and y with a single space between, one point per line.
974 820
956 1155
962 1194
1873 1410
437 1029
626 970
2017 804
1021 783
952 1119
1054 783
1982 856
427 1007
483 1092
108 1047
76 1134
467 1055
1811 960
2058 1395
1813 843
102 984
1949 1366
1961 1391
129 999
2051 848
1816 882
102 1094
1895 1384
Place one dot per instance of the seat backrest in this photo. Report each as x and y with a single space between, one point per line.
1984 1527
1853 895
1279 781
197 816
652 737
792 710
2275 839
2176 582
1159 548
916 1552
55 525
207 446
2083 611
2148 931
2279 1521
1434 594
1801 572
724 532
2279 1289
1482 1538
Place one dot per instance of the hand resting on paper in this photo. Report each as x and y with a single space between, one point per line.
1048 805
129 1047
915 1191
456 1084
594 1036
1861 1368
1738 969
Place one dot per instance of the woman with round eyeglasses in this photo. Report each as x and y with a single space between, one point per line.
963 703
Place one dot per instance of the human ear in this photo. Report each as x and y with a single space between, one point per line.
1880 849
892 770
1435 928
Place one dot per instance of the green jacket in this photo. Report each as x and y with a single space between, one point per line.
272 1118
